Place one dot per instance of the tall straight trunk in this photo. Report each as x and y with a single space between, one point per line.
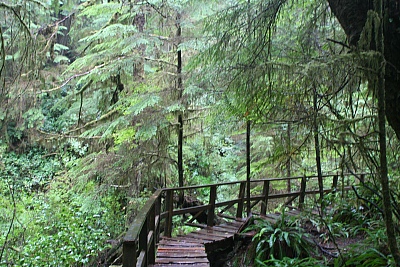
248 164
383 170
248 123
180 115
288 162
317 149
138 67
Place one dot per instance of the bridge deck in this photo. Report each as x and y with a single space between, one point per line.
191 250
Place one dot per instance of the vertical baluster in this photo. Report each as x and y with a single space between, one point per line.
334 183
129 252
151 245
211 209
264 204
302 192
239 212
169 208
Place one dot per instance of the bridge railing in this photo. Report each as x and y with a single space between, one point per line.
139 246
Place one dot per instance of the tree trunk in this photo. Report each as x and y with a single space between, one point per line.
248 164
180 115
352 15
317 149
383 172
289 153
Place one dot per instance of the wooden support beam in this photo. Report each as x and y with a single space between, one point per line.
169 207
302 192
264 204
239 211
211 209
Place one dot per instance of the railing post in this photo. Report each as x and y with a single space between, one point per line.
362 178
129 253
151 245
264 204
211 209
302 192
239 212
334 183
157 219
169 208
143 241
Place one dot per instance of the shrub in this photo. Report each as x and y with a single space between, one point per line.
279 240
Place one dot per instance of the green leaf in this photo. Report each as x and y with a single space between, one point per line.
60 59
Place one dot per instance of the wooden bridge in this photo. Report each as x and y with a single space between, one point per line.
149 241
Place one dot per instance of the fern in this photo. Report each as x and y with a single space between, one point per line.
138 105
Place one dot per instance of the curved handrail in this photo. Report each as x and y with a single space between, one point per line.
141 238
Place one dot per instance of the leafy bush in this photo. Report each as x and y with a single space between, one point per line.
52 220
370 258
286 262
372 251
279 240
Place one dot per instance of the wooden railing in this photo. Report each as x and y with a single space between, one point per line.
139 245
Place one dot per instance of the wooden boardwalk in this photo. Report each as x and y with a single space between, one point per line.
191 250
148 241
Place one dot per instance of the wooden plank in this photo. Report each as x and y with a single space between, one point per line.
204 237
218 233
193 239
177 244
178 241
182 265
229 226
182 260
226 228
160 249
181 254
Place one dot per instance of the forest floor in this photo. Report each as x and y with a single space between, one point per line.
325 246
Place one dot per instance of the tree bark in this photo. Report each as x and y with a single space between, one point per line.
352 15
318 149
383 172
248 166
180 115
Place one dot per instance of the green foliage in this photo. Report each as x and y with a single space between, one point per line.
289 262
68 237
279 240
31 171
370 258
57 222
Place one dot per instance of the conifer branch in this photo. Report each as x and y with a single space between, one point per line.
71 78
338 42
104 117
15 10
160 61
58 136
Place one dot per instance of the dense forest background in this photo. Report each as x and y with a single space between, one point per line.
102 102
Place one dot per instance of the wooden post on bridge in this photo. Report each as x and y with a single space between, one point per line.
151 239
157 220
302 192
264 204
143 243
169 203
129 248
334 183
211 209
239 212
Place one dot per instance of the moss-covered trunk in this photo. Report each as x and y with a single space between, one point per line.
352 15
